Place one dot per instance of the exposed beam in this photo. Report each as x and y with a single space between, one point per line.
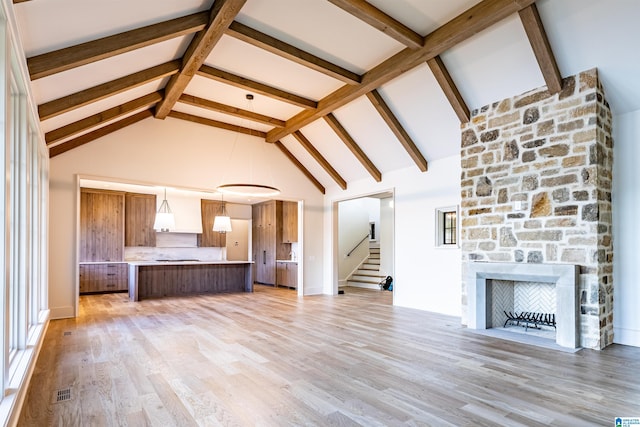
381 21
98 133
251 85
541 48
353 146
216 124
19 1
300 166
292 53
79 99
85 53
449 88
472 21
221 16
320 159
87 123
397 129
232 111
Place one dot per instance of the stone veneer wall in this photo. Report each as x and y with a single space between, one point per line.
552 154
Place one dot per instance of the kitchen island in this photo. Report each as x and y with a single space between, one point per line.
156 279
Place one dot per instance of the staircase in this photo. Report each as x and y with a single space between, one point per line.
368 274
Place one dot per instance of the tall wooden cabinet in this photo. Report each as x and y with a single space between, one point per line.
268 237
289 222
101 225
267 243
140 214
210 238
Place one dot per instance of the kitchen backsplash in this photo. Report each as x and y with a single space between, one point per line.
174 246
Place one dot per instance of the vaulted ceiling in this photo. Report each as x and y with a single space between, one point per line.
344 88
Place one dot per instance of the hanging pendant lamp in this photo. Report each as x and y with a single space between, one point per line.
222 221
248 189
165 220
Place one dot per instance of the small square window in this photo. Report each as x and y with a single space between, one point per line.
447 227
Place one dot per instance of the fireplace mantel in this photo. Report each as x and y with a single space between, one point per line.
565 277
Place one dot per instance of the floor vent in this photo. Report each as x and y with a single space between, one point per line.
62 395
67 333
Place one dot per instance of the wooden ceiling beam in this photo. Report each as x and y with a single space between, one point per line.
300 166
71 129
292 53
256 87
85 53
222 15
98 133
216 124
320 159
351 144
232 111
381 21
541 48
397 129
472 21
80 99
449 88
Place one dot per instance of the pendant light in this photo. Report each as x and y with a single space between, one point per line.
222 221
164 217
248 189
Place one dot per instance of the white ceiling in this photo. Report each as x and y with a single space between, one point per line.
490 66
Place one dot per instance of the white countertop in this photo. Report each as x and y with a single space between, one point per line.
151 262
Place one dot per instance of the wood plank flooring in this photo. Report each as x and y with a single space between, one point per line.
270 358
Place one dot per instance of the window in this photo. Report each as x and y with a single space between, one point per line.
447 227
24 163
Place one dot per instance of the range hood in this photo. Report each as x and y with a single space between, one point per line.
186 210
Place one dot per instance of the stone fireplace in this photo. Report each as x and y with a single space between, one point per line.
536 191
562 278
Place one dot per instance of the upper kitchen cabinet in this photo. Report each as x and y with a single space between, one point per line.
210 238
140 213
289 222
101 225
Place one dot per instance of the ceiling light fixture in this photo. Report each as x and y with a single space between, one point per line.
222 221
165 220
245 189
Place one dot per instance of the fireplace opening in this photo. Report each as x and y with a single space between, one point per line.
496 288
523 307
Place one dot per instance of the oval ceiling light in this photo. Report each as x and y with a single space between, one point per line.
253 190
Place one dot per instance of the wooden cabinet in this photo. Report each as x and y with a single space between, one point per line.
289 222
107 277
140 214
210 238
267 243
101 225
287 274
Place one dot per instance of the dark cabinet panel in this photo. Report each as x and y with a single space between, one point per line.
140 214
101 225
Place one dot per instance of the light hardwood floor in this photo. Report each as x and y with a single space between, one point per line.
271 359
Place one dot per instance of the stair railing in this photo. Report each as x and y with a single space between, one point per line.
359 243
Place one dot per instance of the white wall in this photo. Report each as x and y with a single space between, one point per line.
353 226
386 237
174 153
626 228
425 277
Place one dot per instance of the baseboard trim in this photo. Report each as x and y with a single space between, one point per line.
626 336
62 312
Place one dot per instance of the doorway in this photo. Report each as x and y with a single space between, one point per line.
363 242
